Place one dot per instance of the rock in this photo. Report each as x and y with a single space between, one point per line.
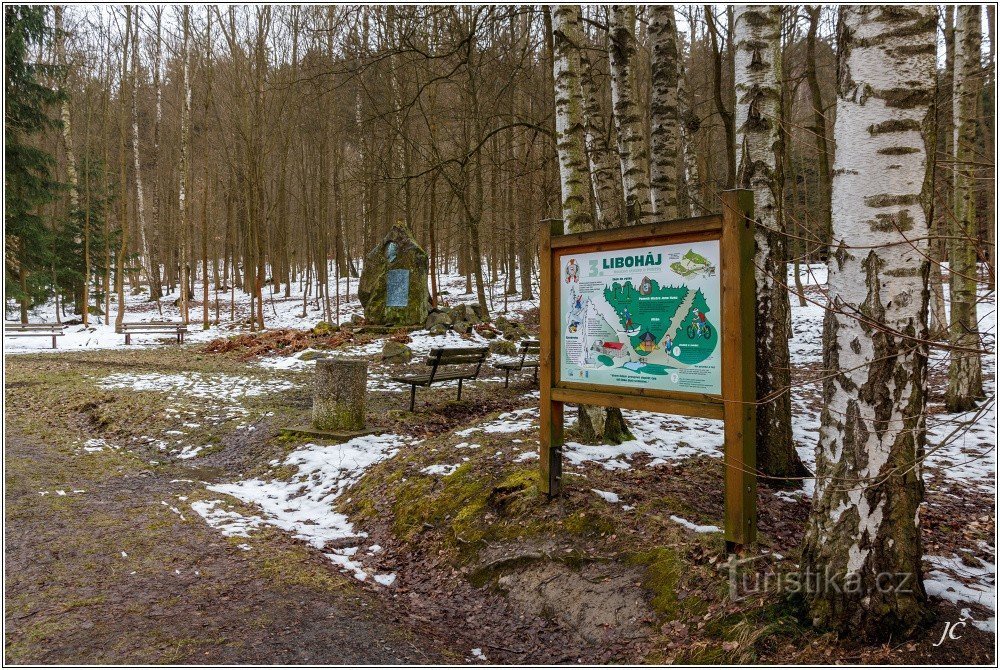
312 355
393 284
323 328
357 319
462 327
503 348
512 330
437 329
469 313
438 317
396 352
486 331
340 393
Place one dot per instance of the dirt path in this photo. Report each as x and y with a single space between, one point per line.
107 573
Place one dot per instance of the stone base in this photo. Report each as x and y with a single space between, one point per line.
337 436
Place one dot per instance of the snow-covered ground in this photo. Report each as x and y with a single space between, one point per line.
303 505
234 311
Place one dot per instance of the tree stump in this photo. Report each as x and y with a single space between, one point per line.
339 395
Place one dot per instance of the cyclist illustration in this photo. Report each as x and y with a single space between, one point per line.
699 325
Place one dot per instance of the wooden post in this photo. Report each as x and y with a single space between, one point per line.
550 431
739 383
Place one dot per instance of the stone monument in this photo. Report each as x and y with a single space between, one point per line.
393 285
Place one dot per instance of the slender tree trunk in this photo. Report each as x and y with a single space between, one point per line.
185 168
819 123
720 106
567 39
123 183
604 169
665 134
140 202
862 547
628 116
760 142
965 374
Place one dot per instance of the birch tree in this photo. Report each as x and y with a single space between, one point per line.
570 128
862 547
664 137
760 147
140 202
965 375
628 116
604 170
596 423
185 168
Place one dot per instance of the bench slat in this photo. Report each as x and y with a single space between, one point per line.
516 365
422 380
445 351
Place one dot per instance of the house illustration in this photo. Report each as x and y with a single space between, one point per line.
612 349
647 343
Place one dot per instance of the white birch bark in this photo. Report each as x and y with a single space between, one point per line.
664 138
185 168
864 527
965 375
628 116
140 203
604 169
570 128
759 147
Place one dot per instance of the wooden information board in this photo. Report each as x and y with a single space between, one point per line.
657 318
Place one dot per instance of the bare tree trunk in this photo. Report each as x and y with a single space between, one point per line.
720 106
965 374
207 195
140 202
156 287
604 169
665 134
819 123
862 549
185 168
760 142
570 124
628 116
123 184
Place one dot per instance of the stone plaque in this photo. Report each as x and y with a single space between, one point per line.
397 289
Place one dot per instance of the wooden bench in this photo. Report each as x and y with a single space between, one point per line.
527 348
52 330
153 327
447 364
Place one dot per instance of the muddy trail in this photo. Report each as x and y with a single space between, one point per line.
104 573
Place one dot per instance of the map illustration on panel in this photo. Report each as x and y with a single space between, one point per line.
646 317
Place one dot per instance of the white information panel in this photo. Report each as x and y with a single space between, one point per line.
646 317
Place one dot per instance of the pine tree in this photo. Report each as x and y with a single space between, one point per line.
28 179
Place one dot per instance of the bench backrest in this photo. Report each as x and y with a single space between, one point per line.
42 327
444 356
530 348
152 324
